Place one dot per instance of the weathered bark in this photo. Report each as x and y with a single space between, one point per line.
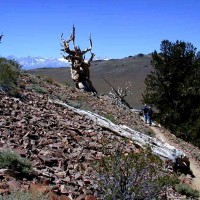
80 68
160 148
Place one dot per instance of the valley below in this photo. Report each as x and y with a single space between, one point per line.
118 72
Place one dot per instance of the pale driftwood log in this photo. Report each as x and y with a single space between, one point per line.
160 148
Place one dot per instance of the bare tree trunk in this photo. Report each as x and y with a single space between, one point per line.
80 68
160 148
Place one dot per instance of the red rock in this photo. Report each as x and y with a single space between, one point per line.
53 196
14 185
80 183
92 134
67 179
4 191
63 189
61 174
81 197
21 152
3 185
90 197
39 188
64 197
87 182
77 175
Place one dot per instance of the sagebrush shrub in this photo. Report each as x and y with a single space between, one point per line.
17 195
38 88
132 176
12 160
188 191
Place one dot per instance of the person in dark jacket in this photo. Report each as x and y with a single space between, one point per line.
145 113
150 114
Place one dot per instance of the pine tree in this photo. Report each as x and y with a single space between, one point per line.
173 87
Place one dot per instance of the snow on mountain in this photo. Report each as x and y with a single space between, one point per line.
40 62
101 58
30 62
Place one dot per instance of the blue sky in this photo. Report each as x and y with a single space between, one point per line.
119 28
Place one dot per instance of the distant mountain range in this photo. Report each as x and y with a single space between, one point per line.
30 62
40 62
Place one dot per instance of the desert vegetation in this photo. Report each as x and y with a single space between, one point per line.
10 71
13 161
184 189
17 195
133 176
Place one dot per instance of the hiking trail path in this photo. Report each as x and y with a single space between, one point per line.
169 138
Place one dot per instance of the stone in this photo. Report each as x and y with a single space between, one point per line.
14 185
90 197
61 174
81 197
4 191
64 190
39 188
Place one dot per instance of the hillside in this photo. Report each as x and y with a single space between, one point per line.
118 72
60 143
57 141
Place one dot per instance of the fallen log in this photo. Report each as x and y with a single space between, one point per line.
160 148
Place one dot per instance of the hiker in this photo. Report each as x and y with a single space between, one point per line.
145 113
150 113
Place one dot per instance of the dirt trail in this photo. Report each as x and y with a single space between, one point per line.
160 133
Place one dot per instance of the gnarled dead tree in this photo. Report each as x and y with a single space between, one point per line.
118 95
80 71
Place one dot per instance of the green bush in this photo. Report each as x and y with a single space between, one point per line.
12 160
38 89
9 74
132 176
110 117
188 191
49 79
24 196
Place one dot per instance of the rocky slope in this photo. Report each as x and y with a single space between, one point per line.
60 144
